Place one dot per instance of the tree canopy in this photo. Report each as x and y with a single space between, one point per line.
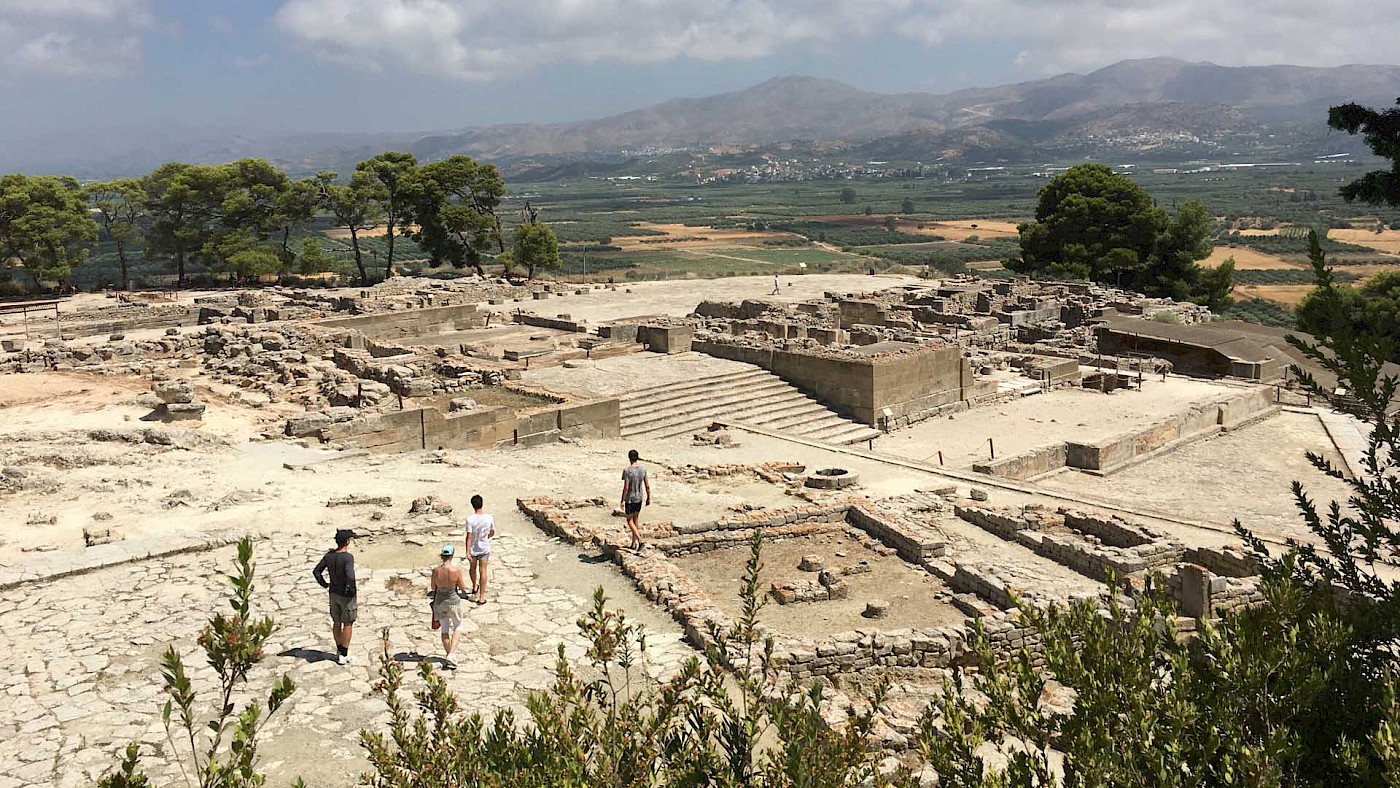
1093 223
393 172
453 203
535 248
121 211
1381 130
1374 307
45 224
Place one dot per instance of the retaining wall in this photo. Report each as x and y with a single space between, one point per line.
861 389
1024 466
428 428
1107 455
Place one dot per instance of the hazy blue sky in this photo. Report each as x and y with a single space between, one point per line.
380 65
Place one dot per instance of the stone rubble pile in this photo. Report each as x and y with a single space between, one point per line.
177 401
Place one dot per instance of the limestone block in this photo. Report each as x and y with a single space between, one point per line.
878 608
811 563
183 411
838 589
97 536
308 424
175 391
430 504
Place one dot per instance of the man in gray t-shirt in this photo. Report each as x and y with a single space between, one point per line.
635 490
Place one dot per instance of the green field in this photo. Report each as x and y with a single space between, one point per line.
595 211
707 262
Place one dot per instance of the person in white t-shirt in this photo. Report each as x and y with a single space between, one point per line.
480 528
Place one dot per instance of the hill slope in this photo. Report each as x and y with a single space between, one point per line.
1145 103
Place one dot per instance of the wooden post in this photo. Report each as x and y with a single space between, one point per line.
993 447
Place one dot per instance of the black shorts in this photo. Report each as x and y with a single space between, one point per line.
632 507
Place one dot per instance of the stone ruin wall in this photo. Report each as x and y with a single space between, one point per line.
1093 545
1107 455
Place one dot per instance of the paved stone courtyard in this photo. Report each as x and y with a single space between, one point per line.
89 680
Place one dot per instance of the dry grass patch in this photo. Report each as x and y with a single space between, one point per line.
1288 295
952 230
1387 241
1247 259
680 236
343 234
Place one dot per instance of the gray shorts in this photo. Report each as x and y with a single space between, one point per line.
448 614
344 609
483 558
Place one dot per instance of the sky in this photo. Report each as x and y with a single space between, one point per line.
416 65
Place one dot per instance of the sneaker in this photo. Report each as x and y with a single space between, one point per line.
346 660
450 661
340 659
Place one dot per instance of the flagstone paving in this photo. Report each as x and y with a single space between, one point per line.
82 677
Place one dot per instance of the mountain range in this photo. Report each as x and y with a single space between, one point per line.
1154 107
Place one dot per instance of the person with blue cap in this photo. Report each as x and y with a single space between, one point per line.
446 589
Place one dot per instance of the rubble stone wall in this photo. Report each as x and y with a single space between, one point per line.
412 323
1202 594
1226 562
662 581
915 543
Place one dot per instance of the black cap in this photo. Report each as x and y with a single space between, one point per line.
344 535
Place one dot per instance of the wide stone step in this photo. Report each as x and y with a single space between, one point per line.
728 401
805 420
700 418
665 404
847 435
677 387
752 396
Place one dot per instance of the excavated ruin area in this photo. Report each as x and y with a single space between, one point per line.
1241 474
915 598
291 425
1023 423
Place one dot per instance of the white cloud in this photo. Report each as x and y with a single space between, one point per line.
484 39
1063 35
71 38
252 62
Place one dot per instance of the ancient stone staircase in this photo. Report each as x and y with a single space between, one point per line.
752 396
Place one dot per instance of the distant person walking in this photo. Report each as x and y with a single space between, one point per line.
480 528
340 564
446 587
634 484
777 286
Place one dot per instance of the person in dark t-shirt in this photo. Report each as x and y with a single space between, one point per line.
340 565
